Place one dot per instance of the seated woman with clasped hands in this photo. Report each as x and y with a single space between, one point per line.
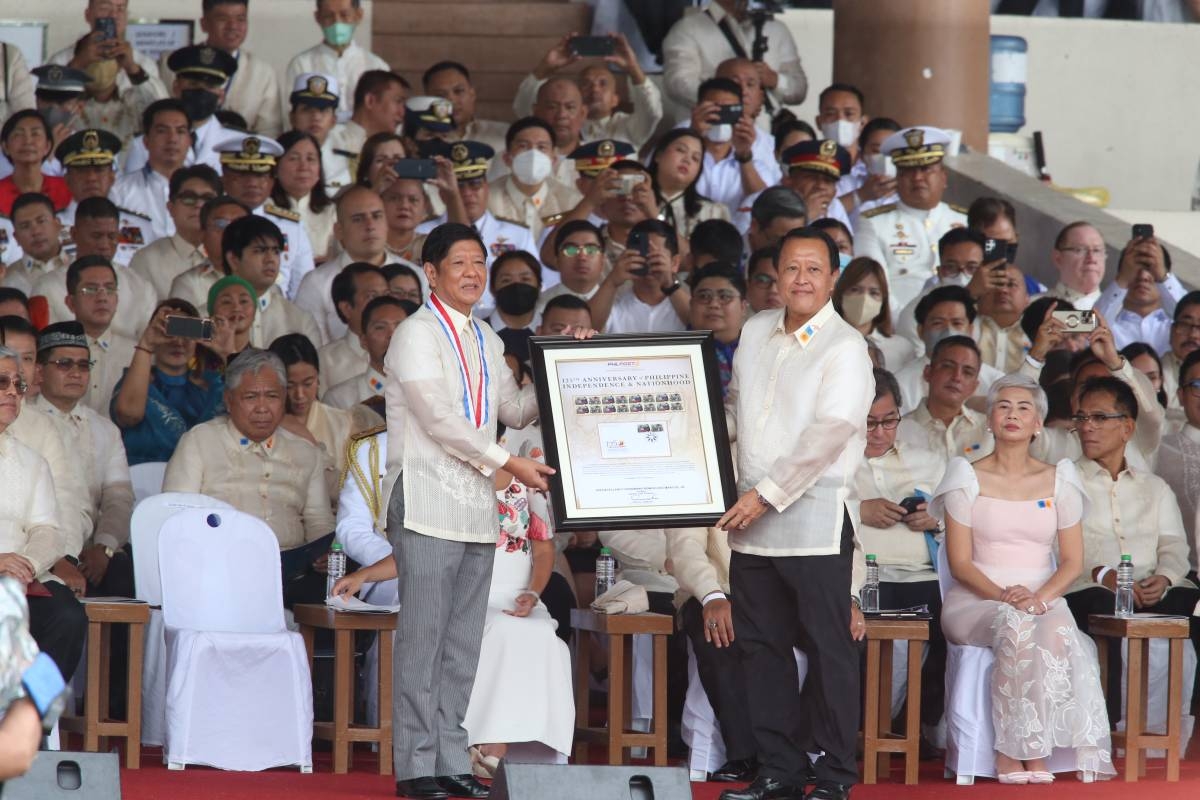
1004 515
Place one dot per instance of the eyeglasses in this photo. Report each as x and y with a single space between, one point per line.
1193 388
411 294
67 364
191 199
887 423
951 268
763 279
8 382
572 250
1185 327
722 296
1098 252
1096 419
110 290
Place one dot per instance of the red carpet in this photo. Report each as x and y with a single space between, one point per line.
154 782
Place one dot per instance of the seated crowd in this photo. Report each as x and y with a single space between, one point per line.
291 228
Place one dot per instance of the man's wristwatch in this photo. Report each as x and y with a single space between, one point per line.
743 159
762 501
139 77
856 602
674 287
108 551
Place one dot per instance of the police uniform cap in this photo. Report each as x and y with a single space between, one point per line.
918 146
203 63
90 147
249 153
428 112
592 158
56 78
824 156
315 89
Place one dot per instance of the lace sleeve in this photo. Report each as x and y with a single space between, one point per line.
1070 497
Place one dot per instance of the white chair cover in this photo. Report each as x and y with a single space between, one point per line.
148 518
970 737
239 692
700 729
147 479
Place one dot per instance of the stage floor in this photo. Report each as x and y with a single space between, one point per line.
155 782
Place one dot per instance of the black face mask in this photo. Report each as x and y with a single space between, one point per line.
517 298
199 104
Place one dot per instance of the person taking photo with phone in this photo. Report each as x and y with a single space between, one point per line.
643 293
1140 302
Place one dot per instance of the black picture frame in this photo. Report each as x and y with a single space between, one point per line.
643 345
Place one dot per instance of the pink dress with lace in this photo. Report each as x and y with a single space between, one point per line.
1045 684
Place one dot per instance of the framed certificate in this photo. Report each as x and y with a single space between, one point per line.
635 426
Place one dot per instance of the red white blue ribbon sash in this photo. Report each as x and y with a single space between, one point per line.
476 409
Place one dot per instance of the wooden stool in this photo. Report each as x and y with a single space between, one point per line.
95 722
1139 631
341 731
879 740
619 628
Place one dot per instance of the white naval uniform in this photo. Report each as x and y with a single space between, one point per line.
551 199
485 131
347 68
253 92
296 260
202 151
146 192
134 232
905 241
340 169
500 236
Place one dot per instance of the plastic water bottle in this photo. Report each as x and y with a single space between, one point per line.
869 596
336 567
1125 587
606 571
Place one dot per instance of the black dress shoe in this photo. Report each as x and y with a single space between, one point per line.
462 786
828 790
420 789
740 770
765 789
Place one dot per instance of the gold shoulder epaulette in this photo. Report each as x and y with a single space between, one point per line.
511 221
875 212
282 213
958 208
554 219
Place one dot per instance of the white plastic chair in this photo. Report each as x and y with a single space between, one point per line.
239 691
970 738
147 479
148 519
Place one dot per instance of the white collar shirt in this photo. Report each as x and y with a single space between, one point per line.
163 260
355 390
28 511
1179 465
903 554
966 436
1081 300
443 462
1134 515
1128 327
347 67
798 406
630 314
342 359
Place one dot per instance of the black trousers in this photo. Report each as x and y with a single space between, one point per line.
778 600
1098 600
724 680
59 624
933 671
559 601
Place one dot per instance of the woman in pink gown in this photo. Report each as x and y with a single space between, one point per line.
1005 516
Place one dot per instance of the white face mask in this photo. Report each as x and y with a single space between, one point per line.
859 309
719 133
531 167
842 131
879 164
961 279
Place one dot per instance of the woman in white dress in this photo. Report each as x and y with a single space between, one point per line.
1005 517
523 692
